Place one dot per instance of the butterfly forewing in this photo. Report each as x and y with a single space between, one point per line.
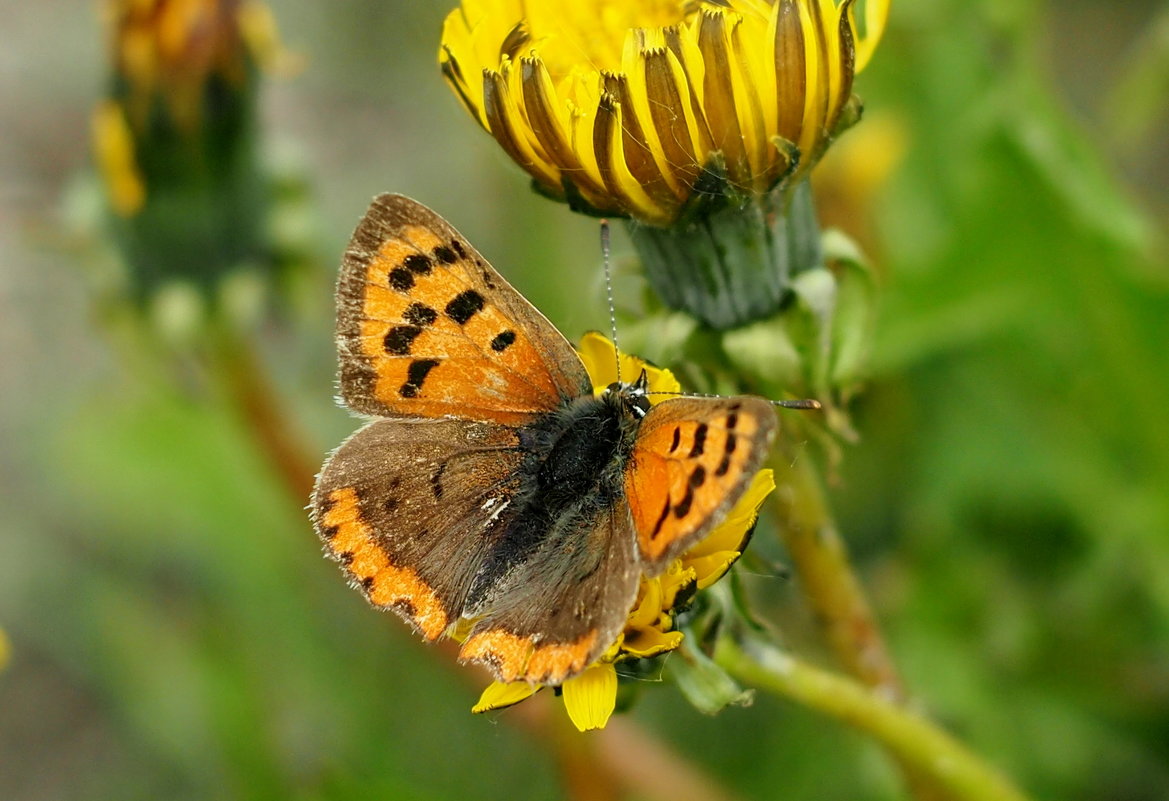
427 328
691 462
411 508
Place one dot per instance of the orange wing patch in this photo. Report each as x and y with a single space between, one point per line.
692 460
505 653
352 542
427 328
555 662
436 343
514 657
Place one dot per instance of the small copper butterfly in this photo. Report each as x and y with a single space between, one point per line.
494 489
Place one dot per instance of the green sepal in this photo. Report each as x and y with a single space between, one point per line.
708 687
817 346
730 260
855 318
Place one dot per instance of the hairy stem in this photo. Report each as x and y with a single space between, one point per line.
917 743
819 555
250 392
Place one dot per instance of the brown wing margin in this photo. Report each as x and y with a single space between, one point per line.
427 328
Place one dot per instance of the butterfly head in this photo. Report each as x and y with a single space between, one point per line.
633 398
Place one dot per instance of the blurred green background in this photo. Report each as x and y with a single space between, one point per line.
175 633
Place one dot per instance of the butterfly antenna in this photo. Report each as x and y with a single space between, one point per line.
609 293
807 404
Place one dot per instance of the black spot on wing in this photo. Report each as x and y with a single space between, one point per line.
415 376
445 255
404 607
419 314
399 339
457 247
699 440
503 341
696 480
401 279
464 306
661 520
417 263
725 464
677 439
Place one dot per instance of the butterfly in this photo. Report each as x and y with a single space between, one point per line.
494 491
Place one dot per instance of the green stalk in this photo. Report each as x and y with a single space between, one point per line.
913 740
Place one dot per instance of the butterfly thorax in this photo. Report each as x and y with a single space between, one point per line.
578 453
575 460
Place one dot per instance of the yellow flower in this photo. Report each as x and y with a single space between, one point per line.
172 48
591 697
638 109
180 66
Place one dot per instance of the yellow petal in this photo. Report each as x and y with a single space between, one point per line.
503 694
647 609
600 360
676 579
113 146
729 534
648 642
876 15
506 123
816 29
632 153
591 697
789 59
710 569
628 196
599 357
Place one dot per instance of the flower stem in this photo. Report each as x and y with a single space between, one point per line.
916 742
249 390
820 557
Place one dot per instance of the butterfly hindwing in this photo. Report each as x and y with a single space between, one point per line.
412 507
427 328
692 460
550 617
